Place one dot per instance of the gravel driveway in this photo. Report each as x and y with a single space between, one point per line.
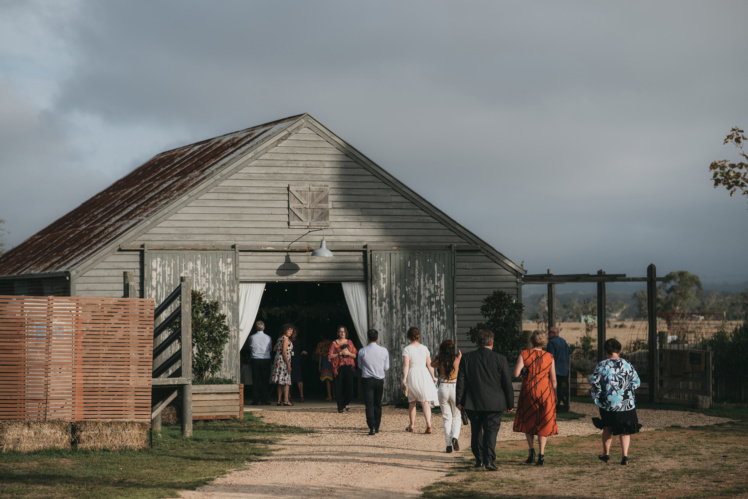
341 460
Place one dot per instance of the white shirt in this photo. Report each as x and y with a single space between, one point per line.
373 361
260 344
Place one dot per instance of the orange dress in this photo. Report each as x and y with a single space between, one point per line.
536 408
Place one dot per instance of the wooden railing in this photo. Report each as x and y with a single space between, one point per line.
172 355
75 359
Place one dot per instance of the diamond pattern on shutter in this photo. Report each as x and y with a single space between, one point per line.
308 206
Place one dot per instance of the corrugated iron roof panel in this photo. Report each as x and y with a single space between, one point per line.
129 201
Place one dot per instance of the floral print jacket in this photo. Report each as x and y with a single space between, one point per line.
613 384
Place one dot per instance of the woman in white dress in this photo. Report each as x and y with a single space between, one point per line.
418 379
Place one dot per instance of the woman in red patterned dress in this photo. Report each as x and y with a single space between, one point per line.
536 408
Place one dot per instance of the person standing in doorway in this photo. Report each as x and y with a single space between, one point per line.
558 347
484 391
342 355
260 360
373 360
281 370
324 366
297 371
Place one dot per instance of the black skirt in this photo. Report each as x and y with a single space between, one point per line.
621 422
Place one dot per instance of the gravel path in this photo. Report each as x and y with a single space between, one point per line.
341 460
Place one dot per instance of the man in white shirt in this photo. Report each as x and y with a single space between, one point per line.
373 361
260 347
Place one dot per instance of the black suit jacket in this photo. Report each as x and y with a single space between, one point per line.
484 382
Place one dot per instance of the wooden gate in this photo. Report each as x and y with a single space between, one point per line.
411 288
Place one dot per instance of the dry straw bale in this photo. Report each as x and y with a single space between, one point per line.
169 415
114 435
26 436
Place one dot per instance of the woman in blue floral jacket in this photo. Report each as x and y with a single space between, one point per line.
613 384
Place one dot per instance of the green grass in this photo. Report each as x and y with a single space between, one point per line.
721 410
702 461
174 463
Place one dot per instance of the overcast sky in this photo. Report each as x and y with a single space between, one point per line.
570 135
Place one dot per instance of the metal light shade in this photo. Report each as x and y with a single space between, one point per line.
322 251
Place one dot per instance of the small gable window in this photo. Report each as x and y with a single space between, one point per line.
308 206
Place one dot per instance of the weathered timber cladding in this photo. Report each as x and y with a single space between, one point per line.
105 279
261 266
411 288
251 206
41 286
213 274
477 276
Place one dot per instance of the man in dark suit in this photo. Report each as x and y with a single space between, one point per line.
484 391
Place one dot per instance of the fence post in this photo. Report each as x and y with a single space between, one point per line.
551 303
654 354
186 340
601 316
129 285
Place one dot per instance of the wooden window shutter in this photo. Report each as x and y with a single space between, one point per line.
308 206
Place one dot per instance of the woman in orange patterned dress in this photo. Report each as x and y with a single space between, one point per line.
536 408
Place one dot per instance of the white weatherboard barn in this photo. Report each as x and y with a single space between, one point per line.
234 213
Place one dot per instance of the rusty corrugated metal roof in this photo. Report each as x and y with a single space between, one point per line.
130 201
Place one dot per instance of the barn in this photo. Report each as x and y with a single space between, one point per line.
244 215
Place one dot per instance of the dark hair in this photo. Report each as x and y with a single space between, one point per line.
372 335
414 334
484 338
446 358
285 327
344 329
612 346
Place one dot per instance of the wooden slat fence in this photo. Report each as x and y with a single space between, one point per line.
75 359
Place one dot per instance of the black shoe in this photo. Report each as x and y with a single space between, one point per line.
604 458
625 460
491 467
455 444
541 459
531 457
376 430
478 464
449 449
372 432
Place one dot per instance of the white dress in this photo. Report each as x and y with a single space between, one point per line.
421 386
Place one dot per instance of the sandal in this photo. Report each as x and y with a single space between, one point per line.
428 431
409 429
301 399
287 403
278 403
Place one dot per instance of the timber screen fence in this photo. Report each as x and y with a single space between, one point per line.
75 359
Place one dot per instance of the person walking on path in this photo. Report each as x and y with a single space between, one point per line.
447 362
342 355
612 388
484 391
536 407
558 347
373 360
418 379
282 365
260 360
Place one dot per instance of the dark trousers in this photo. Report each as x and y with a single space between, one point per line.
344 386
373 389
484 428
260 380
562 393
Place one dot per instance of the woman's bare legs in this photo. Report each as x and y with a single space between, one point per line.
541 444
412 413
607 439
329 392
287 393
625 442
280 394
426 413
530 440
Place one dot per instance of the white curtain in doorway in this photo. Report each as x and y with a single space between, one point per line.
250 295
355 297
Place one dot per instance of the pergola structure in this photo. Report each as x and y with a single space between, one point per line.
601 278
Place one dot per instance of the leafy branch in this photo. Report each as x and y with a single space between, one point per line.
732 176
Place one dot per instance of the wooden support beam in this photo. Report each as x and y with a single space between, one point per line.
601 317
128 285
551 302
654 356
186 326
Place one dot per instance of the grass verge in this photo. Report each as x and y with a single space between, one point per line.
705 461
174 463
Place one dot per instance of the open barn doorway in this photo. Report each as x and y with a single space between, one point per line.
316 309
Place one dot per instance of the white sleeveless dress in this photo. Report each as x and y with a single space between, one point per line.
421 387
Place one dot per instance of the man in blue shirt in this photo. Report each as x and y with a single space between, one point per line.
560 350
373 361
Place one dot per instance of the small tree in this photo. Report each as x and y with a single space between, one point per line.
209 335
732 176
2 231
503 315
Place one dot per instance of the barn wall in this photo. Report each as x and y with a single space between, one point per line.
39 286
106 278
250 207
477 276
278 266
